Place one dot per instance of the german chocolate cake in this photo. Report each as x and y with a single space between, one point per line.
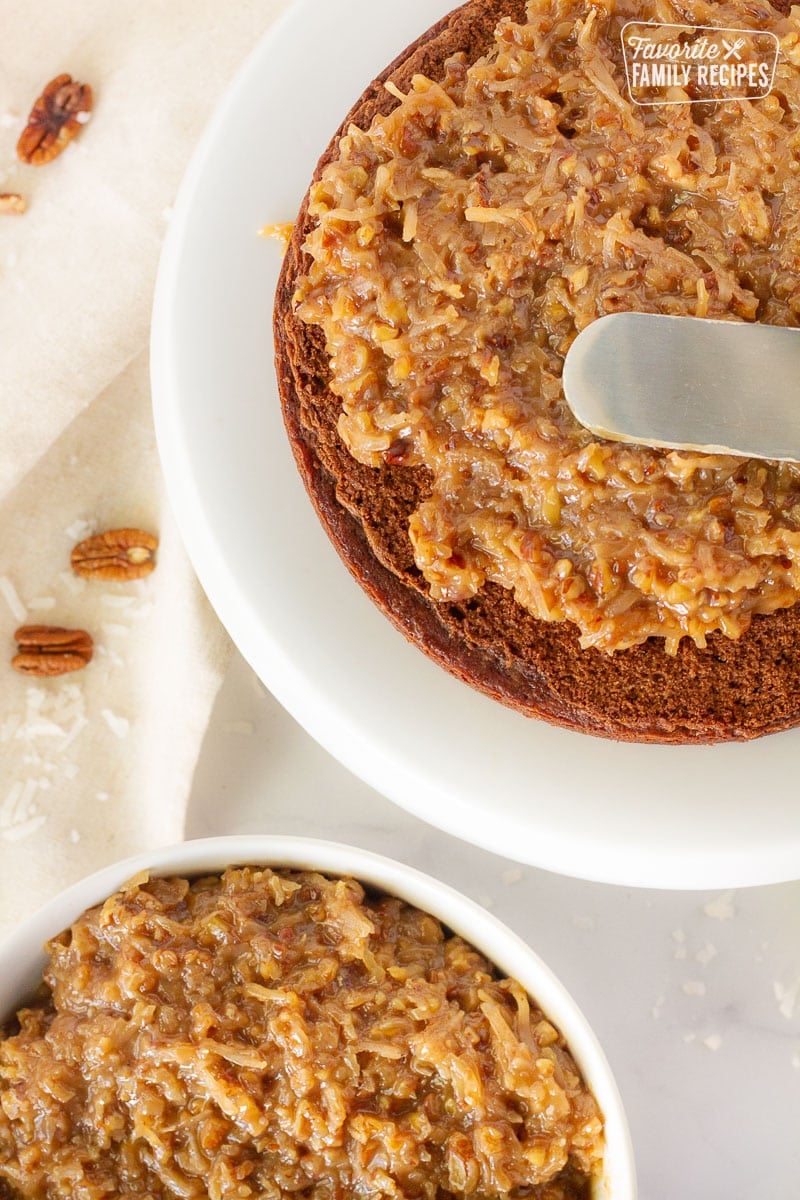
492 193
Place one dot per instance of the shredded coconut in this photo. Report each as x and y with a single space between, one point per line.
18 804
706 953
11 597
9 727
39 727
115 600
119 726
114 629
394 90
17 833
80 529
786 996
141 610
9 806
77 727
722 908
115 659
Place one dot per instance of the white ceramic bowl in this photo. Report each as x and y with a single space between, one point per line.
21 957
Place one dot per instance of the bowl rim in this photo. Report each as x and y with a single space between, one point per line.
22 956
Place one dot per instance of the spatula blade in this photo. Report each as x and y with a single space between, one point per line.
722 387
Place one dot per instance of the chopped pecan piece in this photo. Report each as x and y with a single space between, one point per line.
46 650
12 202
55 119
117 554
397 454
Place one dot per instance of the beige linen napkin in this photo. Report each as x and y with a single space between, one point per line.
97 764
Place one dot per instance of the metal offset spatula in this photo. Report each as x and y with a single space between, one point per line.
724 387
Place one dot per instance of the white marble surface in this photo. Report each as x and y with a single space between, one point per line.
695 996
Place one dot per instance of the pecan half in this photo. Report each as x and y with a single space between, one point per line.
116 554
54 120
50 650
12 202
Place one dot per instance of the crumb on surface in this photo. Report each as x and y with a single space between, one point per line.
722 908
